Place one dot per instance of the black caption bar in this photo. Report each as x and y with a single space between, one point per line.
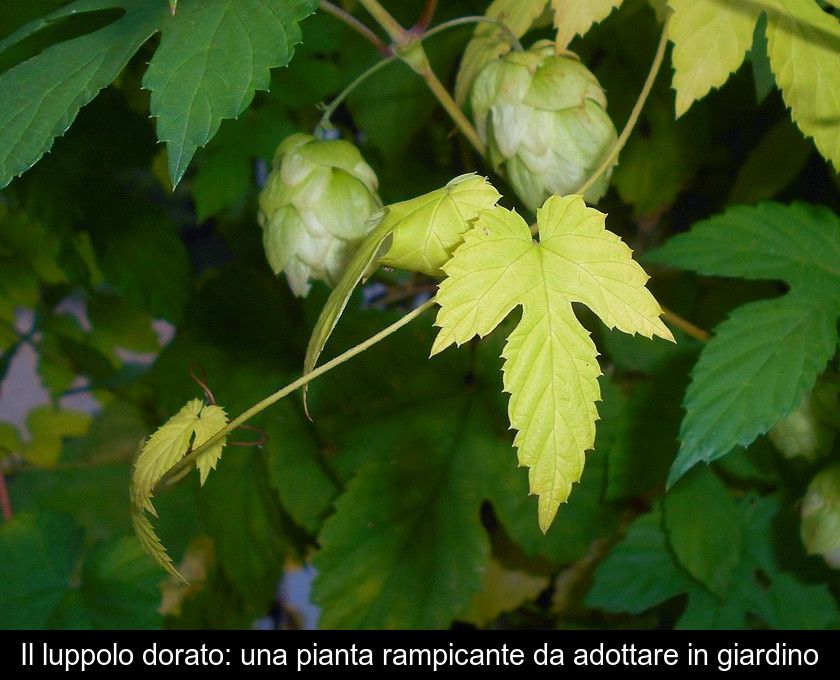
328 651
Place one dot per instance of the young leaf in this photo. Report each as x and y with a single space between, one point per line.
768 353
188 429
42 95
193 425
423 231
710 40
427 229
213 56
575 17
550 367
490 42
804 49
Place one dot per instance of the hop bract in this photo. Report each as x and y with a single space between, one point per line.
821 516
542 117
314 209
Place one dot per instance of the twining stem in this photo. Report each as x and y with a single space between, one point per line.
631 122
189 459
383 17
685 326
406 41
477 19
334 104
426 17
356 25
455 113
634 114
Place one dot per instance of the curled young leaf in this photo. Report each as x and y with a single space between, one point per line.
188 429
419 234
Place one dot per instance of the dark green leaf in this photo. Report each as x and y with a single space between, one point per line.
43 94
213 56
640 572
244 519
754 370
39 554
704 528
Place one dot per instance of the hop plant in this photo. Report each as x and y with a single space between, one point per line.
543 119
314 209
820 525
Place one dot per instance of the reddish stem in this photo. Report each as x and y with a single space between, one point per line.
5 501
425 18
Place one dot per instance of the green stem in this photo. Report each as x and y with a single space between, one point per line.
455 113
383 17
189 459
631 122
477 19
410 49
335 103
634 114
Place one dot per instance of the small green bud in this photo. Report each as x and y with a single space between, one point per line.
543 119
314 209
820 526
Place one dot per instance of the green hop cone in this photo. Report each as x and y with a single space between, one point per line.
808 431
820 525
314 209
543 119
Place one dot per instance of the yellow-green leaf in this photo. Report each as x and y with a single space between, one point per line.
489 42
710 40
802 43
362 261
193 425
575 17
49 426
151 543
427 229
551 370
505 588
419 234
188 429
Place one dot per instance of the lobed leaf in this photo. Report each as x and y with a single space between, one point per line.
550 367
797 243
42 95
804 50
640 572
576 17
755 370
710 40
213 57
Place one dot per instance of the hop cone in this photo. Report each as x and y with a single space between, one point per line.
314 209
820 525
542 117
809 431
